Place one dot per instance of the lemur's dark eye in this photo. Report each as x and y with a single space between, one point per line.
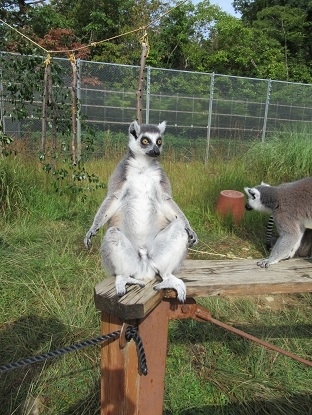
144 141
159 142
252 194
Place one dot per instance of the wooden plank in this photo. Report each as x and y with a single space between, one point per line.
243 277
209 278
137 303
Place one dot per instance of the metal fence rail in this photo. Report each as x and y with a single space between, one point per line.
194 104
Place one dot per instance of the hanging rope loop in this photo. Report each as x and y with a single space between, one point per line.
132 333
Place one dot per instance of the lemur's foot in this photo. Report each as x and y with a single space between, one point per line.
174 283
264 263
122 281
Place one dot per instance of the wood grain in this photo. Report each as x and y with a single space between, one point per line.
205 278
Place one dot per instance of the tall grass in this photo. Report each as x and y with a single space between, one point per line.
47 280
282 158
15 187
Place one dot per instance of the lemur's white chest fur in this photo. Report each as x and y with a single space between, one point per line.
141 200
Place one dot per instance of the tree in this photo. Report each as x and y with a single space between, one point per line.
96 21
237 49
286 25
44 18
289 22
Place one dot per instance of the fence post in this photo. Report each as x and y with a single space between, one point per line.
2 126
266 111
148 92
78 110
140 83
209 116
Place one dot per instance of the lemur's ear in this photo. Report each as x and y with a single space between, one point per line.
247 190
162 127
250 192
134 129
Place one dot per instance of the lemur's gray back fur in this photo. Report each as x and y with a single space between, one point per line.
290 206
268 196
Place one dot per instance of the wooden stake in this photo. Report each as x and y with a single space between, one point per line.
124 391
47 74
74 109
141 81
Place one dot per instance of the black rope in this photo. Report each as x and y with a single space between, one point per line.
131 333
59 352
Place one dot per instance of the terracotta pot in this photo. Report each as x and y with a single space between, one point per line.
231 202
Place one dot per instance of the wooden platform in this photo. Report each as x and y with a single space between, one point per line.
205 278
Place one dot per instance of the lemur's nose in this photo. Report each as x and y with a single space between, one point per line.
156 151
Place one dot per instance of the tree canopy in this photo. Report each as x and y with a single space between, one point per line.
270 39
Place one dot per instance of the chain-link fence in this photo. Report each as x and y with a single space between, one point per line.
196 105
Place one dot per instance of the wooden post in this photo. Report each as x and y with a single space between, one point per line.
74 108
45 97
141 81
124 391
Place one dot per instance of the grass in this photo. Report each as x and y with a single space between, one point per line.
47 280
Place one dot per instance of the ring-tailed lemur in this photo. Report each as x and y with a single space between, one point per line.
305 248
148 234
290 205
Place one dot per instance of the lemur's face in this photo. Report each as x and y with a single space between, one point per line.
254 201
146 139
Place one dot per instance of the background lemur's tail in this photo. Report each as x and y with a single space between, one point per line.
269 233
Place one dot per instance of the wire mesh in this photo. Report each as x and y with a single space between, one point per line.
241 108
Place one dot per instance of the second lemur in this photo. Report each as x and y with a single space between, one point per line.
290 205
305 248
148 234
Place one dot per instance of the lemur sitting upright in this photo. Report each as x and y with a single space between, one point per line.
148 234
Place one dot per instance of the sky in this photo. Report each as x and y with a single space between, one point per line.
225 5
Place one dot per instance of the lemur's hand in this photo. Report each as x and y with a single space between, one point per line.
192 237
87 239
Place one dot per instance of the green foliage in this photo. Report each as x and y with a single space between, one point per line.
43 19
69 180
72 181
22 82
5 143
271 40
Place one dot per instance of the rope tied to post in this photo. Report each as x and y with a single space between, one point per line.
131 333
